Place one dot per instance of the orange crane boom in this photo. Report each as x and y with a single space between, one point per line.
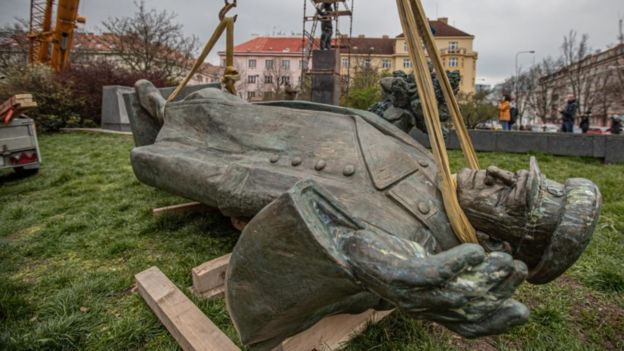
52 46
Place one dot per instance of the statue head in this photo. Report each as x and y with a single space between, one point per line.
545 224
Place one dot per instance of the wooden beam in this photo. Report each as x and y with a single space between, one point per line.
209 278
192 207
332 333
187 324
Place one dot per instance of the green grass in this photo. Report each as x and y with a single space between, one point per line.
72 238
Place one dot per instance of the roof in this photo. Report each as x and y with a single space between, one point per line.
271 45
443 29
375 46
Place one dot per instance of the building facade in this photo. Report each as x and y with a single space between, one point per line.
597 81
266 64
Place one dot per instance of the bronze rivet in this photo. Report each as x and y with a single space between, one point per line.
423 164
349 170
296 161
320 165
274 158
424 208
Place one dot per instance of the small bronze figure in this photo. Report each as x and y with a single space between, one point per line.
324 11
346 215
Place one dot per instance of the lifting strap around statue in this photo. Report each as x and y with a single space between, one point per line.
419 37
230 76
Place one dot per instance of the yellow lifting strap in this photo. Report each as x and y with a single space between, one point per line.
419 37
230 75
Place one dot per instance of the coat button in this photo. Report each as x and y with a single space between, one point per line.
424 208
274 158
296 161
320 165
423 164
348 171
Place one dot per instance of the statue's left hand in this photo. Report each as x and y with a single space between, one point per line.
463 289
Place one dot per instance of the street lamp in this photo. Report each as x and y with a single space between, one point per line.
532 52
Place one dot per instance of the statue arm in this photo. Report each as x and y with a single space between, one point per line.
462 288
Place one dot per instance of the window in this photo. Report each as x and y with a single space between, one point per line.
268 79
300 64
223 63
407 63
453 62
252 63
286 64
268 64
345 62
252 79
285 80
386 64
453 46
251 95
405 48
367 62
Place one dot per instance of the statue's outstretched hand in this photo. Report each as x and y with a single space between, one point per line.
463 289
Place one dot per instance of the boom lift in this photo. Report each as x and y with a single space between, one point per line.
51 43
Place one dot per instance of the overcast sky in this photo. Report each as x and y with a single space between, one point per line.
501 27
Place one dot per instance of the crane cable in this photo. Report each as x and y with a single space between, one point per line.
417 32
230 75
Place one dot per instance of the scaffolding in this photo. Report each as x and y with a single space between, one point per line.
311 19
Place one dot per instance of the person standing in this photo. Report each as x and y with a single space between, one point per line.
504 112
568 113
616 125
585 122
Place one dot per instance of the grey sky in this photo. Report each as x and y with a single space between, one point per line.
501 27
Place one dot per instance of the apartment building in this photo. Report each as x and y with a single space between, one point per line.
267 63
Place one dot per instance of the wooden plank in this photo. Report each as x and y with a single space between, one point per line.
95 130
332 332
209 278
187 324
192 207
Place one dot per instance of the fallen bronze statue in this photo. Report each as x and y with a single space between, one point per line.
345 215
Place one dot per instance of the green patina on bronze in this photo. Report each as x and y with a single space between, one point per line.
346 215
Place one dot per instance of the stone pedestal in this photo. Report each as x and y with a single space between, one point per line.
326 77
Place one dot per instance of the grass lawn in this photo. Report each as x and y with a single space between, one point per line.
73 236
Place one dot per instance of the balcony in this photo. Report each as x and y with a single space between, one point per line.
457 51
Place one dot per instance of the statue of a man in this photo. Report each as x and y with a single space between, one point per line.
346 215
327 27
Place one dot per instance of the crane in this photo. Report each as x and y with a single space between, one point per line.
51 43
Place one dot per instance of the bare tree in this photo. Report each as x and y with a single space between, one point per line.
578 70
151 41
276 76
541 100
14 44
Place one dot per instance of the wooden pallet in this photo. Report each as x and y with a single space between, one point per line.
194 331
15 106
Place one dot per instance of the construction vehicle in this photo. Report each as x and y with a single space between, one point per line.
19 148
51 42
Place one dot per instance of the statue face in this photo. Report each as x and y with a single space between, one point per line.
496 203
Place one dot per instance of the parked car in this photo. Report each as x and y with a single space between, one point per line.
551 128
19 148
489 125
599 131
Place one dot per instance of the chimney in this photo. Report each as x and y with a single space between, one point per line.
361 36
385 36
443 20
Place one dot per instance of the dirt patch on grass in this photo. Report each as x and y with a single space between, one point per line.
24 233
591 313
